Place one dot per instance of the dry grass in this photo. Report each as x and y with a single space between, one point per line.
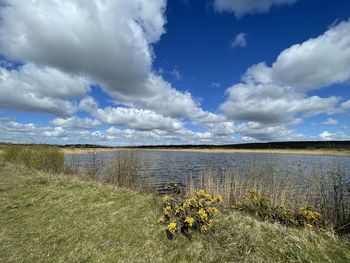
45 218
124 169
40 157
326 190
88 150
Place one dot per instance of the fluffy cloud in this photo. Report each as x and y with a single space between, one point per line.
240 40
40 89
33 133
108 42
27 132
280 93
55 132
255 132
243 7
130 117
328 136
166 101
267 103
75 122
345 105
222 129
316 63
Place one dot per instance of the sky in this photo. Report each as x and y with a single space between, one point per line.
150 72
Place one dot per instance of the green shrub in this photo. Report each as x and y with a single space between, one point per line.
124 168
187 215
257 204
283 215
40 157
11 152
260 206
309 217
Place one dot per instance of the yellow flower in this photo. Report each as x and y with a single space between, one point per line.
309 213
161 220
210 223
166 210
308 226
219 198
189 202
203 194
245 200
214 210
202 214
189 221
172 227
204 228
166 198
178 210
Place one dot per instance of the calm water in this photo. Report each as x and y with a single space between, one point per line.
176 167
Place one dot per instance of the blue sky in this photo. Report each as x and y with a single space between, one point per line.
174 72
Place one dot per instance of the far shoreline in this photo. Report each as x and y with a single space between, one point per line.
332 152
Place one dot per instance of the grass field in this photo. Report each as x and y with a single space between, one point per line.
57 218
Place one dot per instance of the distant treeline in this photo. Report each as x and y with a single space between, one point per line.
268 145
309 145
61 146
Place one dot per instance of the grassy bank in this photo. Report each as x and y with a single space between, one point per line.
55 218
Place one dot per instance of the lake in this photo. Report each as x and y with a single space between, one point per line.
178 166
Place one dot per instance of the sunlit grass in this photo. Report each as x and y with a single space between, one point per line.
41 157
47 218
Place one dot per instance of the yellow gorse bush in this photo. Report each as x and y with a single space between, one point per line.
260 206
309 213
308 216
181 214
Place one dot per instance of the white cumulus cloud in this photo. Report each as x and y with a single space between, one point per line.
109 42
280 93
40 89
141 119
75 122
317 62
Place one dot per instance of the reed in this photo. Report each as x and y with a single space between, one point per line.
327 190
39 157
91 170
124 169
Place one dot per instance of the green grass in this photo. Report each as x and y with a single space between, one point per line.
41 157
47 218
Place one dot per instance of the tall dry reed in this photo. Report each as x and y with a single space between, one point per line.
326 189
124 169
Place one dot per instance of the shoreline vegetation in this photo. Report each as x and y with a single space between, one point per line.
337 148
62 218
54 210
338 152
